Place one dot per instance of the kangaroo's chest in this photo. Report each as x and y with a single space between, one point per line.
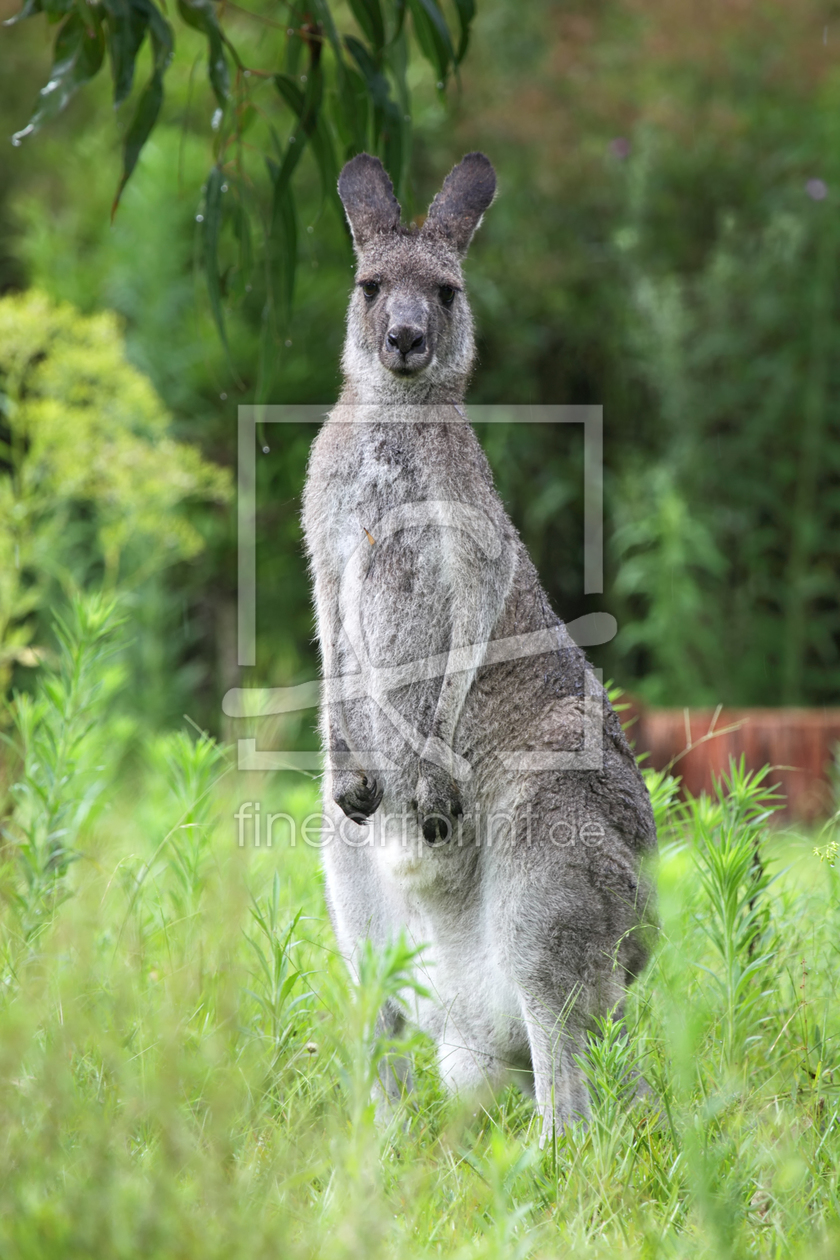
387 548
394 591
364 499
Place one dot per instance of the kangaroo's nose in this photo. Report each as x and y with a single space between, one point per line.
406 338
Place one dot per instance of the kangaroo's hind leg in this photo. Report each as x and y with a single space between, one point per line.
560 1089
396 1083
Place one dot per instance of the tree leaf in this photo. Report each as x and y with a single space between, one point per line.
399 148
295 48
78 55
291 92
368 13
352 116
377 84
323 151
282 237
283 246
387 116
242 231
151 98
281 173
201 16
30 7
399 19
307 106
161 33
466 12
323 16
265 358
145 117
211 226
433 36
53 8
393 146
126 26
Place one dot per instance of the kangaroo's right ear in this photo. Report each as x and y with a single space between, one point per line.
367 195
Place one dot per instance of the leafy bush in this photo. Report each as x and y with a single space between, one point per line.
92 486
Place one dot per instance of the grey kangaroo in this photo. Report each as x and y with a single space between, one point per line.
479 793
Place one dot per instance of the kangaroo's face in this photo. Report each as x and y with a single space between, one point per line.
409 327
409 308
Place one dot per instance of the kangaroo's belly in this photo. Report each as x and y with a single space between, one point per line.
441 899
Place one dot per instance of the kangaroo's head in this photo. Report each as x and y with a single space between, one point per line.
409 328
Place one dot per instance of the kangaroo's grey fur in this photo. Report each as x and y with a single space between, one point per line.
536 925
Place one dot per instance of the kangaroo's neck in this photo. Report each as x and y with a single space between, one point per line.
379 388
408 415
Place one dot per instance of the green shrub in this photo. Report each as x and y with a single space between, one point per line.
92 486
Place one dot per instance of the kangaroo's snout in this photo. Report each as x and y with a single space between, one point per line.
409 341
406 338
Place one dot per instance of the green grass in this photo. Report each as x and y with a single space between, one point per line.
185 1066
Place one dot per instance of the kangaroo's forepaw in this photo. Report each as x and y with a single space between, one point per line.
357 794
438 803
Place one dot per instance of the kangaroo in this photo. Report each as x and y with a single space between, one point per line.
461 806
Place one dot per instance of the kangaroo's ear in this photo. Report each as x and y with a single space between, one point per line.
367 195
467 192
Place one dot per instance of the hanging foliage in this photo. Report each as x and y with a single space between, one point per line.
334 93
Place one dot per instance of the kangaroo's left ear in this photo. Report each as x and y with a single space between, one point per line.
457 209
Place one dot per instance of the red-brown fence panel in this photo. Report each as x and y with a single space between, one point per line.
697 743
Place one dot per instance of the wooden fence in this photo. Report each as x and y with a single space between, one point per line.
798 743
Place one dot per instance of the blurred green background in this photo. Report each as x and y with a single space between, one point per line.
665 242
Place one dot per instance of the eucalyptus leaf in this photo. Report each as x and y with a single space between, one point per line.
368 13
30 7
151 98
201 16
54 9
433 36
282 241
126 25
466 13
211 226
387 116
79 51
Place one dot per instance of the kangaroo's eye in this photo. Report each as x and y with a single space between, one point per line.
447 294
370 288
